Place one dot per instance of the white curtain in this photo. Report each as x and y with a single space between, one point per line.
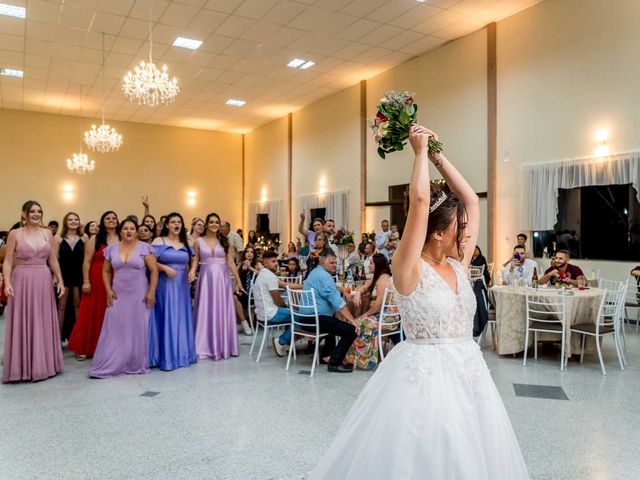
274 209
336 204
542 181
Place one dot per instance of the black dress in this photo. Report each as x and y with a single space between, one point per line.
70 260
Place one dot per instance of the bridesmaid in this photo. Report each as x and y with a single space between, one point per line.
32 336
86 331
122 347
145 233
69 249
171 336
197 229
91 229
214 310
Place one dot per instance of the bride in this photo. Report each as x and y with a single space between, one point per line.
431 410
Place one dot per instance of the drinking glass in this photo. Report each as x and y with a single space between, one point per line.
581 283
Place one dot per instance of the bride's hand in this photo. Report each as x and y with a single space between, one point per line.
419 137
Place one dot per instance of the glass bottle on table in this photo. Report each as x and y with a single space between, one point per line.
534 278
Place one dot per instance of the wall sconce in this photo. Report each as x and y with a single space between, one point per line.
67 191
263 195
602 149
191 198
323 185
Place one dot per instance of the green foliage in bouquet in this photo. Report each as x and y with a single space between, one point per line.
396 113
343 237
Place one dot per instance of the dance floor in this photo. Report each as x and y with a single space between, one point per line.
238 420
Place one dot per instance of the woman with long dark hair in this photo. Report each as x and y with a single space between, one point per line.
214 309
69 248
364 350
448 420
93 304
122 348
32 348
478 260
90 228
171 333
246 270
252 238
313 259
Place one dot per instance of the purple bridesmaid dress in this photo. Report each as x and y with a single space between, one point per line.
122 347
32 348
214 312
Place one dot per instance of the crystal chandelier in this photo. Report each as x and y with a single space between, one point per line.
103 139
149 85
80 164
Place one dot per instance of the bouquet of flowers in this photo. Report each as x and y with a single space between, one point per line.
343 237
396 113
561 279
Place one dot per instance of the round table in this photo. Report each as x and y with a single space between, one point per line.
510 301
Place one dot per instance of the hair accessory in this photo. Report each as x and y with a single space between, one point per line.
438 202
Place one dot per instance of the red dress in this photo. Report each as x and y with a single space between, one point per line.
86 332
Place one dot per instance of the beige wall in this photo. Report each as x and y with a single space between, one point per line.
566 68
266 166
451 90
326 145
163 162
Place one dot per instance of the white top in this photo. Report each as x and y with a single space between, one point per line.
266 282
382 238
235 240
525 271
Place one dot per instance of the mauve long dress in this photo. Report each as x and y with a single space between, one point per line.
214 312
32 348
122 347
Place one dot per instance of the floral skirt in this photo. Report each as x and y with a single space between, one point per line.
363 353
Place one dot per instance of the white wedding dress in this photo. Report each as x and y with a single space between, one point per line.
431 411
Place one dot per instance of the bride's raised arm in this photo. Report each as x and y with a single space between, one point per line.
468 197
406 260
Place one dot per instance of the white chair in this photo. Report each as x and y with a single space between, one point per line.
608 322
491 323
251 303
475 274
302 304
545 312
389 320
262 322
632 301
490 270
290 280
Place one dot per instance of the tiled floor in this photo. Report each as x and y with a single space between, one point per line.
240 420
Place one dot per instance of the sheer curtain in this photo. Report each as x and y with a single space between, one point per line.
542 182
336 204
274 209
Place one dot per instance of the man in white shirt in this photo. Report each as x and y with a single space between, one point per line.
235 240
353 261
520 267
382 238
269 302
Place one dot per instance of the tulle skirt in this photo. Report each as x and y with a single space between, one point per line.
430 411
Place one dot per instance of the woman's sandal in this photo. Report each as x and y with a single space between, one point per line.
81 358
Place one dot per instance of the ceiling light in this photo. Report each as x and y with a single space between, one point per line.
9 72
421 1
295 63
12 11
307 65
80 164
236 103
189 43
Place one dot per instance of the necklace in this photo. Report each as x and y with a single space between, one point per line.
431 258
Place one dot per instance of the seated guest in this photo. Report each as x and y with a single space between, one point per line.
304 251
563 271
353 261
293 268
269 302
363 243
478 260
364 351
521 241
521 268
292 251
329 301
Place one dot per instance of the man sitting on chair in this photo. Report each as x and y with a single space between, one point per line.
273 309
329 301
563 271
520 267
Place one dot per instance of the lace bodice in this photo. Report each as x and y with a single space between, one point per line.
433 310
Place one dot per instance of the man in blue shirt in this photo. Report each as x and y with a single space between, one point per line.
329 301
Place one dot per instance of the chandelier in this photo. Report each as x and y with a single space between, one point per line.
80 164
149 85
103 139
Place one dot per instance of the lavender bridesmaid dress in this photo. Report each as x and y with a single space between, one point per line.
122 347
214 312
32 348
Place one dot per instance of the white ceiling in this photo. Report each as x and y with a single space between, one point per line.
247 44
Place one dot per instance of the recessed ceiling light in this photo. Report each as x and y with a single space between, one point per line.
9 72
236 103
189 43
421 1
12 11
306 65
295 63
